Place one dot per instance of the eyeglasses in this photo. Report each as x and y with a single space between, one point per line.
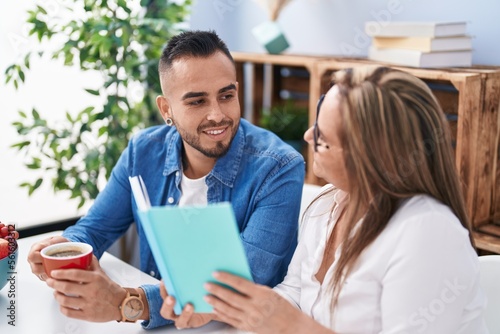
316 132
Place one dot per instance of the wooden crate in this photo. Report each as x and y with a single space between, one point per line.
471 100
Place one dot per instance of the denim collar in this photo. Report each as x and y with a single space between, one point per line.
225 169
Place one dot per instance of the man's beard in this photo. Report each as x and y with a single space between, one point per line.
220 149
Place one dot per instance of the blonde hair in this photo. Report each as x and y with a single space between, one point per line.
396 144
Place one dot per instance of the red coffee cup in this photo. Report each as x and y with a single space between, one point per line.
66 255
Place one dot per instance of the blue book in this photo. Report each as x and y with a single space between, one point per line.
189 244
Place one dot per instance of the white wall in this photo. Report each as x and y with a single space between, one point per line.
335 27
325 27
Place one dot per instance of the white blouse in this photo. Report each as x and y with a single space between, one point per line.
420 275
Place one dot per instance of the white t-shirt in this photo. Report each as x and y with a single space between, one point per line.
193 191
420 275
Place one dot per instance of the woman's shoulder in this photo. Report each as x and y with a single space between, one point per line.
425 209
422 219
423 234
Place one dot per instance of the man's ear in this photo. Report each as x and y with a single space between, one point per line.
163 107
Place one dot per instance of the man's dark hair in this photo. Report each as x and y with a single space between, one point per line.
195 43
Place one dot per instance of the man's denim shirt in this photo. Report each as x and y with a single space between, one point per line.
260 175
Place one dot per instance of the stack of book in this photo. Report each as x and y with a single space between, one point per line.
420 44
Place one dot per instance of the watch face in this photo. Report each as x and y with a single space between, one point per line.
133 308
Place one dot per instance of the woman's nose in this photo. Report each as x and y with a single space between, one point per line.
308 135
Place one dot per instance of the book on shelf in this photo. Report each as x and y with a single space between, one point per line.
424 44
416 58
189 244
415 29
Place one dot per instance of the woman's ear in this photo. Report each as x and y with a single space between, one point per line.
163 107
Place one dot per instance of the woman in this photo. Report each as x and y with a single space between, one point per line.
386 247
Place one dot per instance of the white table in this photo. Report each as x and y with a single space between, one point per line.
37 312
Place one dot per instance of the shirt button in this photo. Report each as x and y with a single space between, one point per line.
176 173
170 200
152 273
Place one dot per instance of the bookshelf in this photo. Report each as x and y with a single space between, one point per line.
470 98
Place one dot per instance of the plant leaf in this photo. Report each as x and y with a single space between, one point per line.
93 92
37 184
41 9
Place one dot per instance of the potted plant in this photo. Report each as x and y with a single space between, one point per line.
289 122
123 42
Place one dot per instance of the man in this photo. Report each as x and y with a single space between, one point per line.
204 154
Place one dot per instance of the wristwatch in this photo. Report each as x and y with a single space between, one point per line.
132 306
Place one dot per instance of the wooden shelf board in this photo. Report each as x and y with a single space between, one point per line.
282 60
491 229
487 242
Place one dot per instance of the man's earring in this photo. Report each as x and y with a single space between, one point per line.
169 121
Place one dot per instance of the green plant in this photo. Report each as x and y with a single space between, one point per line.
121 40
288 121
